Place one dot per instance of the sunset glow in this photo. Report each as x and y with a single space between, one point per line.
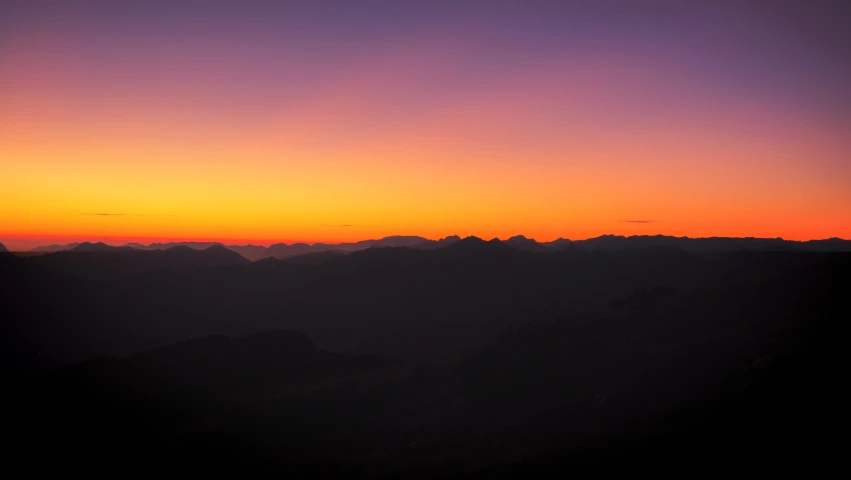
293 125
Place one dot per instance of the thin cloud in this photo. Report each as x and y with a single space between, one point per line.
637 221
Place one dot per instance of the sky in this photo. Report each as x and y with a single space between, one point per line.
337 121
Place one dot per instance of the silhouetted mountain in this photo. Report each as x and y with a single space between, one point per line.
559 244
251 252
429 303
433 244
98 261
317 258
512 361
400 241
710 245
313 258
722 375
477 246
55 248
99 247
420 298
446 241
133 245
715 245
522 243
224 256
828 245
282 250
192 245
3 248
183 391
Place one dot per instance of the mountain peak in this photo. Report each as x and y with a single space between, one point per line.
476 244
472 240
400 241
468 243
560 244
223 253
445 241
88 247
520 242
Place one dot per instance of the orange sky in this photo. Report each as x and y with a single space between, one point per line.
435 133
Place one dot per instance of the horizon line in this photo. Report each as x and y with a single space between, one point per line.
122 241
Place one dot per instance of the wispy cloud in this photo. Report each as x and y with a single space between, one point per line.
637 221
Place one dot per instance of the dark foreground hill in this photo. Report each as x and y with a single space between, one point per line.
741 375
474 359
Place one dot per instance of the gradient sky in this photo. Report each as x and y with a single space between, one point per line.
339 121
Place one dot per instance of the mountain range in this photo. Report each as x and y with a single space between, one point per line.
476 360
462 359
602 243
416 304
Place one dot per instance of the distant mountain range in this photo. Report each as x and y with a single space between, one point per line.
96 260
520 242
3 248
258 252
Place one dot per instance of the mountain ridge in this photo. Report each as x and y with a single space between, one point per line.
606 242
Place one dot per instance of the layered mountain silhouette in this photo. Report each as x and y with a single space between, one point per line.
58 248
99 260
428 304
523 243
99 247
717 376
3 248
467 358
602 243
